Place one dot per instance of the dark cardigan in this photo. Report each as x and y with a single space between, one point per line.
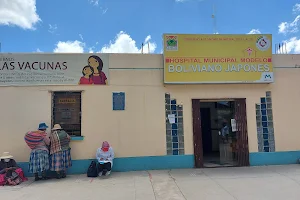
3 165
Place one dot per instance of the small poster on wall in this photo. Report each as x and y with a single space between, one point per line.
171 118
118 100
233 125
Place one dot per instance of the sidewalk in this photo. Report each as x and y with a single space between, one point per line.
252 183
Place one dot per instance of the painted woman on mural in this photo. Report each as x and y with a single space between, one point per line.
99 77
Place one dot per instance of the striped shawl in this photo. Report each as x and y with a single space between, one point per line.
34 138
59 140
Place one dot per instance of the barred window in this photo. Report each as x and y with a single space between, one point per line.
66 111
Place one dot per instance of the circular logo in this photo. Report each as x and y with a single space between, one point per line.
263 43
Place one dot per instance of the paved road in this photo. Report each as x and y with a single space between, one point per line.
251 183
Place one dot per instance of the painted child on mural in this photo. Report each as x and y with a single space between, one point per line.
87 78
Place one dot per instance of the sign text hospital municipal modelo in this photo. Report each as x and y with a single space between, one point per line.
192 59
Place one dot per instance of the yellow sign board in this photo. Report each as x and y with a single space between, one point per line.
67 101
192 59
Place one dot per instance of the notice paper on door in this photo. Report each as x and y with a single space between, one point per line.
233 125
171 118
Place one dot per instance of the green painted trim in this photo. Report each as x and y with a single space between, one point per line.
274 158
77 138
126 164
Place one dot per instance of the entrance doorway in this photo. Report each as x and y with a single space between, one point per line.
220 133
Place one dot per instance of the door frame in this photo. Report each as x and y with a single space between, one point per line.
242 144
242 132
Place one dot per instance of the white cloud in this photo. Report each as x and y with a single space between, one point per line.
283 26
91 49
94 2
181 1
21 13
289 27
52 28
81 37
254 31
38 51
123 43
69 47
104 10
293 45
296 8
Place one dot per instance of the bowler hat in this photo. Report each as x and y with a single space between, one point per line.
42 126
6 155
56 127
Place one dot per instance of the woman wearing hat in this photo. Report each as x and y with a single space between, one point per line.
60 151
8 170
39 156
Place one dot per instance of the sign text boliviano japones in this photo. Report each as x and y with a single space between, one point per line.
187 65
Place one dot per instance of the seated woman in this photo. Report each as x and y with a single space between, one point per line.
105 156
10 173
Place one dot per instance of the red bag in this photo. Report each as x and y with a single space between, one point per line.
20 172
2 179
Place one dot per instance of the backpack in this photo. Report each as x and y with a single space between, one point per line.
92 170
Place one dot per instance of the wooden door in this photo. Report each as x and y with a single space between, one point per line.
241 133
198 149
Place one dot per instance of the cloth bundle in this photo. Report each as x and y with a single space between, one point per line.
33 138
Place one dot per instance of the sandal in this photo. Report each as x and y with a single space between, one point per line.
37 178
44 177
58 176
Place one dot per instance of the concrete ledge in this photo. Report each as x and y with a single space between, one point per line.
131 164
274 158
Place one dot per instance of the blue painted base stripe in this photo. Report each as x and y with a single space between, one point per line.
274 158
132 164
176 162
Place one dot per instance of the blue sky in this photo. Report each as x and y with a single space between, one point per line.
123 25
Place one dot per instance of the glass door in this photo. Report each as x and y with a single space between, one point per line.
227 133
